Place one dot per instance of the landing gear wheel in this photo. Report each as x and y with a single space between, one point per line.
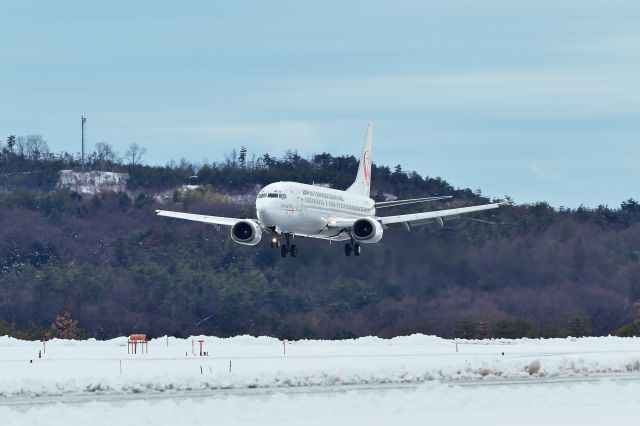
347 249
293 250
283 251
356 249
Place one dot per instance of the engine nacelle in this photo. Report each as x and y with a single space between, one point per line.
366 230
246 232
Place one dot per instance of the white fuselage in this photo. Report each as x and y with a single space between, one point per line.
306 210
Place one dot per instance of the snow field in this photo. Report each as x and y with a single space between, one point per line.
93 367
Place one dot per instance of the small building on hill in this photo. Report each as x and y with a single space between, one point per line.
93 182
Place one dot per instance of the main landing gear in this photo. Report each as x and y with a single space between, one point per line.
292 250
286 248
352 247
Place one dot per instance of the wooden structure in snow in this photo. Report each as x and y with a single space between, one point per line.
134 340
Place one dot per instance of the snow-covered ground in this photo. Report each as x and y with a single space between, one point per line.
413 379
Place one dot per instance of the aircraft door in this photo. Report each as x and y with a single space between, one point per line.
298 206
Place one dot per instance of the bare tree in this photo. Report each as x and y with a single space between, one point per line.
134 153
21 144
33 147
104 155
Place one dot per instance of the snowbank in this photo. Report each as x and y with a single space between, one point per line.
245 362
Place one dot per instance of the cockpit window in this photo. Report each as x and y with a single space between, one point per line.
262 195
283 196
272 195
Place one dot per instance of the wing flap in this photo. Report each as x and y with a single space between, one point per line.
214 220
383 204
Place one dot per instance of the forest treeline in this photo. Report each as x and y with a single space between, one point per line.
108 266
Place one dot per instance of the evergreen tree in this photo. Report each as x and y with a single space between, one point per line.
242 157
578 327
11 143
512 328
466 329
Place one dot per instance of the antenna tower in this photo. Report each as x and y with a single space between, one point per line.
83 119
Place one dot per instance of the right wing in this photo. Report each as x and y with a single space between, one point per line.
407 220
394 203
215 220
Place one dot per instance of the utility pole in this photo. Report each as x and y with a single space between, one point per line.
84 119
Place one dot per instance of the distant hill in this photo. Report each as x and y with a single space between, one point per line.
107 260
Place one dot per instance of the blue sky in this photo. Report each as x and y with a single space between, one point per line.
538 100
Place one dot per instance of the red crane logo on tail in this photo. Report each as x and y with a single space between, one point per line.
366 160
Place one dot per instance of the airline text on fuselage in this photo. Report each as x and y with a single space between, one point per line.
322 195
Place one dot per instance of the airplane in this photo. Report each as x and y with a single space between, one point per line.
290 209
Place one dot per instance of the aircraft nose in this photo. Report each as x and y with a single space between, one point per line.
265 215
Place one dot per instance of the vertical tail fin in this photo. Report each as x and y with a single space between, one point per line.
363 179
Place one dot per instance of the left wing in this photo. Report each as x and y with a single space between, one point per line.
215 220
407 220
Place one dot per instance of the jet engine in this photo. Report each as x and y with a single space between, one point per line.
366 230
246 232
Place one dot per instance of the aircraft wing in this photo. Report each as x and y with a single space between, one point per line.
215 220
407 220
383 204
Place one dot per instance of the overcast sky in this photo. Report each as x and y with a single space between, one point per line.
539 100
